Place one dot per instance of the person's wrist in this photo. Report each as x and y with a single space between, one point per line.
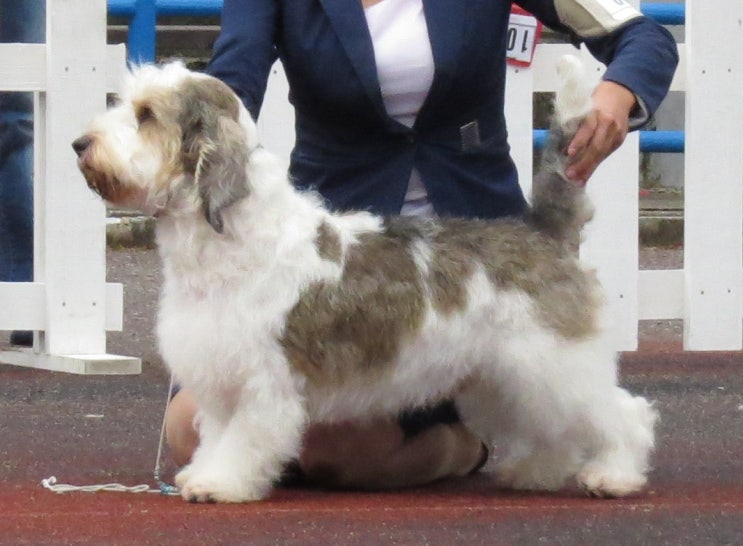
614 97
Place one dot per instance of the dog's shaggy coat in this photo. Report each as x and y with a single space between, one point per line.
276 312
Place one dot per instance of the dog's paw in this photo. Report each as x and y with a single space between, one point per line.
604 483
181 478
213 486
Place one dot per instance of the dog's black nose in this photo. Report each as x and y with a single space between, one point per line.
81 144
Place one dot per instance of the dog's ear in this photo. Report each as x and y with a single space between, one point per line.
214 150
220 173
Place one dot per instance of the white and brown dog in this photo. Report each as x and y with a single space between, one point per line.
276 312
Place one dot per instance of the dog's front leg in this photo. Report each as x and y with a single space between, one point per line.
240 457
211 422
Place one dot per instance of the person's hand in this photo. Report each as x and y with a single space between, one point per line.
601 132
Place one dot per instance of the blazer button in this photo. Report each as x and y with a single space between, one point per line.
410 138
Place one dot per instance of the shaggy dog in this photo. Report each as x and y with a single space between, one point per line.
276 312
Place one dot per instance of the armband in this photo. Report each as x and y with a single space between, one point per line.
595 18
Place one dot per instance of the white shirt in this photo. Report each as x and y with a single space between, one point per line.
402 52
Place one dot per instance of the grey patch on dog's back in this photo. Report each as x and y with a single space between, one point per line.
337 330
328 243
515 256
450 268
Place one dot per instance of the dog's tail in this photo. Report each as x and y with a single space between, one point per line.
560 207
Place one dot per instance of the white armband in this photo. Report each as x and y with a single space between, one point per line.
594 18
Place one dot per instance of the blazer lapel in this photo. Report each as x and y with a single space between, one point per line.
349 23
445 21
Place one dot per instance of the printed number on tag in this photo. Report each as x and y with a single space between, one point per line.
523 34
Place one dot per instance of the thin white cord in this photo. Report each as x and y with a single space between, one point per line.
52 485
163 488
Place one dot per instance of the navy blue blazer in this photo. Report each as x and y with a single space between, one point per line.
352 152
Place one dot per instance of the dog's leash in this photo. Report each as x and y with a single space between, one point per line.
163 487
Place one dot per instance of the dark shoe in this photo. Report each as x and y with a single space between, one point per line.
22 338
482 461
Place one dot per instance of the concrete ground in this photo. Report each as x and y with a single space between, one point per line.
93 429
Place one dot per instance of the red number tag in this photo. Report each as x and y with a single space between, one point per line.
524 31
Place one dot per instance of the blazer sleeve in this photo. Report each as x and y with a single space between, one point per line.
640 55
245 49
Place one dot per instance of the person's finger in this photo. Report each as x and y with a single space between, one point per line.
583 135
607 136
585 163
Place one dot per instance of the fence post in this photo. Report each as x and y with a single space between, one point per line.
519 111
74 278
612 240
714 176
276 120
143 32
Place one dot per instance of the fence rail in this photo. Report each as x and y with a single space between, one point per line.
658 142
144 13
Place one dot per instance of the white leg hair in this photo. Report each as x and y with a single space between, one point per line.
556 412
242 450
619 465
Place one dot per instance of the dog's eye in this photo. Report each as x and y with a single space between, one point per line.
144 114
112 99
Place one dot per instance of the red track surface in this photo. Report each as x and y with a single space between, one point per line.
441 515
695 495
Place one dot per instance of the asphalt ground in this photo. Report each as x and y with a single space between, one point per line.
99 429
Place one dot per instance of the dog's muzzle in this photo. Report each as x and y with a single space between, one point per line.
81 145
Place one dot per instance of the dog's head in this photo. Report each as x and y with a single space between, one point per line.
177 141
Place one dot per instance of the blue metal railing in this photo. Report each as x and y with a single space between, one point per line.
658 142
665 14
143 15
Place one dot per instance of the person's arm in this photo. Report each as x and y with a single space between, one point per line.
641 58
245 49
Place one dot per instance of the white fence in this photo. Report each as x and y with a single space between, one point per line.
69 303
71 306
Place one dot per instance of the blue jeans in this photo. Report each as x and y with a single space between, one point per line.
16 196
20 21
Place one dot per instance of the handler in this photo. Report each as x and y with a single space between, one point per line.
399 109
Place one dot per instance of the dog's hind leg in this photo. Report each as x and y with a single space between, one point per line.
559 413
619 463
528 456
